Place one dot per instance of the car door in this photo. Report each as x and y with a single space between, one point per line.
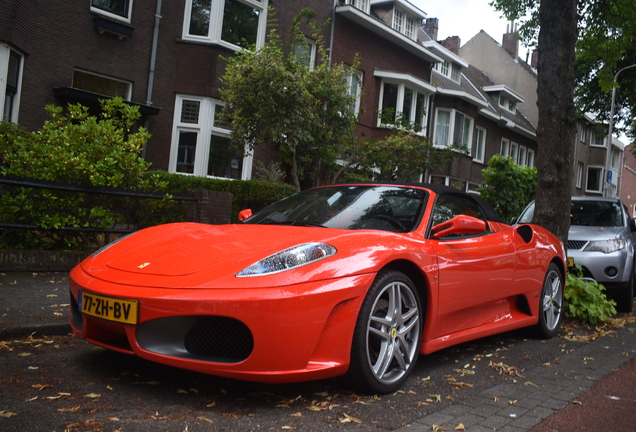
475 271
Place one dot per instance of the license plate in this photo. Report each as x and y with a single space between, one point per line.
108 308
570 262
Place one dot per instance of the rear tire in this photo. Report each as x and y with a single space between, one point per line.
387 336
550 304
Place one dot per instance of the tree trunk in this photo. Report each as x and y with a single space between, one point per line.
556 131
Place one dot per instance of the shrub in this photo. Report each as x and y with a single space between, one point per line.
74 147
585 299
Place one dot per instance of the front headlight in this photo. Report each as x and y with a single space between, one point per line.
288 259
605 246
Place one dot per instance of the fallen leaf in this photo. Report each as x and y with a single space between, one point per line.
73 409
349 419
298 414
92 395
7 414
438 428
528 383
460 427
577 402
24 354
205 419
41 387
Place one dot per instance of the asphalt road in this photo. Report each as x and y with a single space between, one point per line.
51 381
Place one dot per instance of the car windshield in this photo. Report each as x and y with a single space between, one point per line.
596 213
387 208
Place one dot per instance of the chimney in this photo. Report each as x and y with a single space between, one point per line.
431 26
535 59
510 41
452 44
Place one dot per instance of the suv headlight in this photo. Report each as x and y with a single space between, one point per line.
605 246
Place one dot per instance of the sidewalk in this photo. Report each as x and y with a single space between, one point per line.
591 388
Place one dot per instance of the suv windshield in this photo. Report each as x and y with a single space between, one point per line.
596 213
387 208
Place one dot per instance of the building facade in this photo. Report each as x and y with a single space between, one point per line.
167 58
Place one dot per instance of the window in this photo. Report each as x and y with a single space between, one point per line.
530 162
505 147
582 133
118 9
101 84
579 175
479 144
305 52
398 20
614 158
448 206
514 151
507 103
523 154
358 4
460 125
409 28
443 68
598 138
201 145
233 23
355 88
10 72
400 102
594 179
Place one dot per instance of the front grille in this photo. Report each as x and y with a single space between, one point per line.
221 338
576 244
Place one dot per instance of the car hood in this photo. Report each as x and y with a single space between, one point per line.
593 233
197 255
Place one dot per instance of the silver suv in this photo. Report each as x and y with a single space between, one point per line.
601 240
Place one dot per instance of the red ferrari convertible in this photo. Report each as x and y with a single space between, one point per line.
350 279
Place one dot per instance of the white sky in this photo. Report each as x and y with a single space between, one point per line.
464 18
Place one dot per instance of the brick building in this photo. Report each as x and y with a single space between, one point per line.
166 57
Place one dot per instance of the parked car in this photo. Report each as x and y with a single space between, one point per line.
601 240
351 279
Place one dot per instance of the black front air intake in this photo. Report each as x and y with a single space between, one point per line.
224 339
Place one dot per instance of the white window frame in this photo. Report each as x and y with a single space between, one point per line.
358 88
216 23
114 16
5 54
579 175
402 86
523 155
311 44
601 178
128 84
409 27
614 158
479 144
398 21
450 138
504 149
205 128
530 162
363 5
596 133
514 151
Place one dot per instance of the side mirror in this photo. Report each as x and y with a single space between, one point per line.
244 214
513 220
460 224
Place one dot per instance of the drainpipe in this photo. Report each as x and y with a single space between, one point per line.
333 24
151 72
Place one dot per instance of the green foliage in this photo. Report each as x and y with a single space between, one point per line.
508 186
243 192
401 156
272 98
77 148
585 299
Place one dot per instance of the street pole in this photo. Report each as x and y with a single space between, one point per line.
608 156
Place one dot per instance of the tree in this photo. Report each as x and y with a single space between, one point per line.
272 98
556 131
509 187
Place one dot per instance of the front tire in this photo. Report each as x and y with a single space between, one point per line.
550 303
387 336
